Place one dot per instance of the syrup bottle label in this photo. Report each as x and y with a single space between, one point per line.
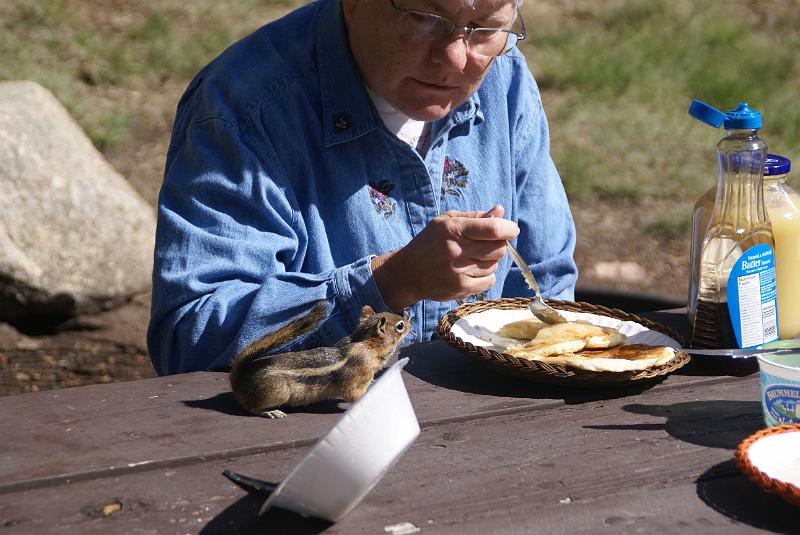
752 297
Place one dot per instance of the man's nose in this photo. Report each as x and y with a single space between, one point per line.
452 52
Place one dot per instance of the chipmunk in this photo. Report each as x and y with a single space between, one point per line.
262 383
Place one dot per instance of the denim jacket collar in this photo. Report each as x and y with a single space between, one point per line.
469 110
346 107
347 110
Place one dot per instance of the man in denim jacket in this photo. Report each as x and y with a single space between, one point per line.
361 152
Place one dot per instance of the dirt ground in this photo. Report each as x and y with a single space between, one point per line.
104 348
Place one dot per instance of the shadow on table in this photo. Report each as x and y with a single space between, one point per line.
714 424
726 490
242 517
440 364
226 403
720 424
701 366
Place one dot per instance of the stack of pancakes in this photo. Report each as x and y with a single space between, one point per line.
581 344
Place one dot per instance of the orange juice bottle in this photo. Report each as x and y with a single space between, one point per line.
783 206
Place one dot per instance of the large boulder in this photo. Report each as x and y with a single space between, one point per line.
75 237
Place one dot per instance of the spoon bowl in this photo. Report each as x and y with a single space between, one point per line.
538 307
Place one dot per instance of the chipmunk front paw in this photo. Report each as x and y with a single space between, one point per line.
274 414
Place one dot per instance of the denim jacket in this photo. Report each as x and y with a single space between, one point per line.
282 182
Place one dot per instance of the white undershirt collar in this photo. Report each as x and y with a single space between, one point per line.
401 125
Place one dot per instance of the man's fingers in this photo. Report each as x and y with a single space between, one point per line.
470 215
495 211
479 273
487 229
482 253
477 284
465 264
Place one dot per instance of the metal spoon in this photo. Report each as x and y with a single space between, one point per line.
538 307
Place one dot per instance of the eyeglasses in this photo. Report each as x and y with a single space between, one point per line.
429 28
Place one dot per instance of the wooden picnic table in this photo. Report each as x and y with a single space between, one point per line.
495 455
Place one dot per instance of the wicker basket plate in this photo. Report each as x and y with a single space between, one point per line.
471 328
770 458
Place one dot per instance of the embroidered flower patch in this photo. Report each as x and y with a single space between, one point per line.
379 195
454 177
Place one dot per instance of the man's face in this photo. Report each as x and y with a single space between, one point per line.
424 80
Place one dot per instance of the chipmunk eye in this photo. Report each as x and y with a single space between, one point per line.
400 326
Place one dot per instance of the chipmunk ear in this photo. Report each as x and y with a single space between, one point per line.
382 325
366 311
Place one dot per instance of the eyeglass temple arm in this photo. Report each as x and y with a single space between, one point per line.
521 36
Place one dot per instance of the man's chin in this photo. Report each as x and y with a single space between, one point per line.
429 112
426 104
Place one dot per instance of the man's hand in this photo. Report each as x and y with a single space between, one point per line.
456 255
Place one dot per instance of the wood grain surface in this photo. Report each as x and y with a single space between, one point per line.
496 455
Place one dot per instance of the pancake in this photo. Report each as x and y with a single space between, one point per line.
526 329
540 349
560 338
615 359
583 345
593 336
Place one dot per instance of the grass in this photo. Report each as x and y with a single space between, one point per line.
631 69
617 77
89 53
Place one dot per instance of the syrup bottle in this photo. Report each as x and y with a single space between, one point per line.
701 214
783 208
735 301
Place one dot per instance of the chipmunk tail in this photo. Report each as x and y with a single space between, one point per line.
294 329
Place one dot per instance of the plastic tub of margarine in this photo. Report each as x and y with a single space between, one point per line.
780 384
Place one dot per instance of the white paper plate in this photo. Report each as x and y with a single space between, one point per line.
770 458
480 329
351 458
778 456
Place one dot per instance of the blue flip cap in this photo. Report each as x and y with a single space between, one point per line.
742 118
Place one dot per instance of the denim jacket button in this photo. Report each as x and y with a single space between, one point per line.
341 121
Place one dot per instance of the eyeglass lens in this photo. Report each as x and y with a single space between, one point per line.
427 27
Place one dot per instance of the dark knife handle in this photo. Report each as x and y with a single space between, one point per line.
250 484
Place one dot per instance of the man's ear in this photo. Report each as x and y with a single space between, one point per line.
366 311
